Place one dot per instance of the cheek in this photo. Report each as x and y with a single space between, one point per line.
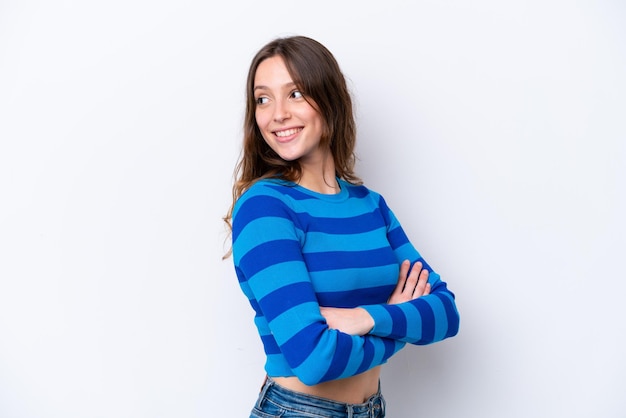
261 119
320 126
261 122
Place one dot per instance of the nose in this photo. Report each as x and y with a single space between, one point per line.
281 111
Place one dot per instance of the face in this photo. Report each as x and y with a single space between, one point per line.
288 123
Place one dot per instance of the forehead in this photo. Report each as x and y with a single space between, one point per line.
272 72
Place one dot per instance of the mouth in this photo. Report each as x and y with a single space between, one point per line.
286 133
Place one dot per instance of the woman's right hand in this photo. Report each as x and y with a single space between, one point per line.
410 286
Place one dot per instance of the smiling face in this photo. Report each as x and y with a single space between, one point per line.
290 125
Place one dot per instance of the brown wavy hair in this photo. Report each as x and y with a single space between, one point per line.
317 75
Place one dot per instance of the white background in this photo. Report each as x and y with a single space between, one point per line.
495 130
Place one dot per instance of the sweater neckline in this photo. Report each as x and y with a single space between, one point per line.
336 197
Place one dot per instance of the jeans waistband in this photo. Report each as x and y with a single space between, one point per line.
373 407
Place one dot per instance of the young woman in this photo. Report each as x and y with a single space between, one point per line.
335 283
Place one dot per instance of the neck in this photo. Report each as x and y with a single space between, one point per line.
320 177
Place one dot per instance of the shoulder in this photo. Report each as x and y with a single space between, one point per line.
265 187
265 198
361 191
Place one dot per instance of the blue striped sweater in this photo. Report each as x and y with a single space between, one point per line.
295 250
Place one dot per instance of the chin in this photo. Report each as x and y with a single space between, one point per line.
288 157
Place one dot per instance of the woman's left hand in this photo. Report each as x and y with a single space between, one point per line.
410 285
353 321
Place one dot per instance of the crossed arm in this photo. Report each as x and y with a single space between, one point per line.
412 284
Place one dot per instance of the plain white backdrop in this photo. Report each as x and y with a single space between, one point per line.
495 130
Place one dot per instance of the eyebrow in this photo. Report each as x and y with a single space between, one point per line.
262 87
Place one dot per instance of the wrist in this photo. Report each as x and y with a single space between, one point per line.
366 320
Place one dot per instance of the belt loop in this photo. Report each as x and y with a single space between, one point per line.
267 383
381 406
349 410
381 401
377 407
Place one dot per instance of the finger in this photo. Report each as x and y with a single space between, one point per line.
413 278
398 295
421 285
402 276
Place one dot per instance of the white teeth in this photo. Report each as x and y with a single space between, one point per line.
287 132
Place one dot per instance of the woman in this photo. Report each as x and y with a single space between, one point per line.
336 285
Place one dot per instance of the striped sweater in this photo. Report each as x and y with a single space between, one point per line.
295 250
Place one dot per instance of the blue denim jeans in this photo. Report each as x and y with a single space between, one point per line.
276 401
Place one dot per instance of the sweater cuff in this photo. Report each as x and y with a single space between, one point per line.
383 322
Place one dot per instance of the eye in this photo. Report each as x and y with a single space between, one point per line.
296 94
261 100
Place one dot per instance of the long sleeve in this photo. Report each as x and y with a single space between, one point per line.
422 321
272 272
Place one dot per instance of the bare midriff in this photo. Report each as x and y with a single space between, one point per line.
354 389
